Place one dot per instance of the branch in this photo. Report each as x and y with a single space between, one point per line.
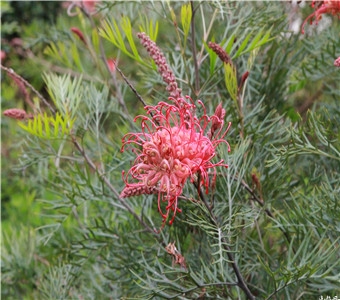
193 46
111 187
104 58
241 282
261 202
11 72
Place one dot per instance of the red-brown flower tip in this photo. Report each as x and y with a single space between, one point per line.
337 62
222 54
243 79
111 63
327 6
177 257
16 113
79 34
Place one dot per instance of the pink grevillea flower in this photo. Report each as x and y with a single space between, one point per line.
337 62
90 5
327 6
174 145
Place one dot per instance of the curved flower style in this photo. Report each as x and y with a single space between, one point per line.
171 148
326 6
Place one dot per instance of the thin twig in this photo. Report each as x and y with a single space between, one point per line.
193 46
130 86
104 59
26 83
241 282
261 202
111 187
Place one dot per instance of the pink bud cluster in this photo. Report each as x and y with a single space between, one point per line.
174 145
163 68
17 113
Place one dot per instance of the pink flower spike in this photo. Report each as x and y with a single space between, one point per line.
173 146
163 68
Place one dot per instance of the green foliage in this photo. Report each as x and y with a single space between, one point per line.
65 93
112 32
47 127
231 80
269 226
186 16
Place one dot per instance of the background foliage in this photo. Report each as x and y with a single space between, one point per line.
273 216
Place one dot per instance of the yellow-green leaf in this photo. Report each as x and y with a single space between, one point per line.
230 80
186 15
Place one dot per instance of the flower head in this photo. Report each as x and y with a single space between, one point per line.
174 146
326 6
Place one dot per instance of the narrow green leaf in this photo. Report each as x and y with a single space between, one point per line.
154 31
47 127
148 27
76 58
186 16
212 58
254 42
243 45
230 43
95 40
126 26
56 122
39 125
230 80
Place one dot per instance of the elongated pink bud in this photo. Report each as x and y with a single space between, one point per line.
16 113
243 79
79 34
111 63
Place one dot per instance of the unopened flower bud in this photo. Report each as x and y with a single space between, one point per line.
111 63
79 34
16 113
222 54
243 79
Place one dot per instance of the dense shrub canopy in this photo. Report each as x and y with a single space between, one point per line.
170 150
